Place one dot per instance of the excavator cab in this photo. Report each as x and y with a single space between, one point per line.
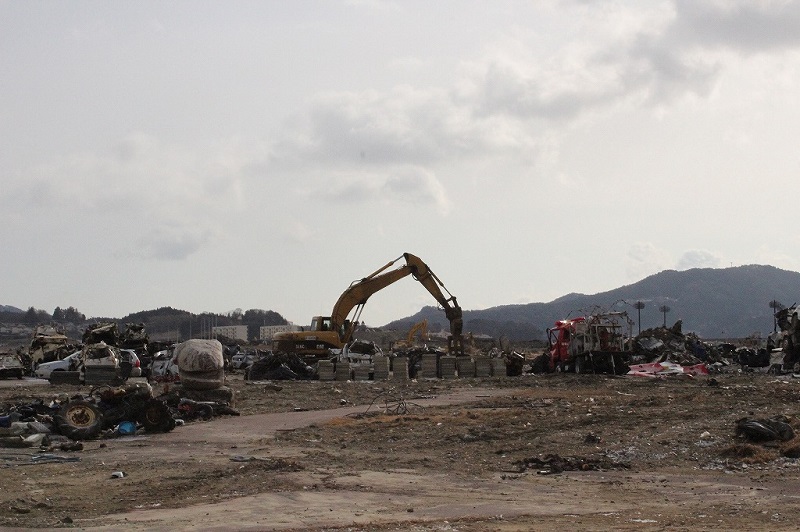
320 323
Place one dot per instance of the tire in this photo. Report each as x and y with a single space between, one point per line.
79 420
156 417
205 412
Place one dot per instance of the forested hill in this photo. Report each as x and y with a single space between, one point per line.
712 302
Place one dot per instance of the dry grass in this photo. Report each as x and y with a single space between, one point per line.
749 454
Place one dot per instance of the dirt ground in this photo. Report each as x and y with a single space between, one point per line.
536 452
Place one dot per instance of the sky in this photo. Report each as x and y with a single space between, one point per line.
210 156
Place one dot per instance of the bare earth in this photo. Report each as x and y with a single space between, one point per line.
529 453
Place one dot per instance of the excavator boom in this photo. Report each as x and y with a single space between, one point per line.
360 291
337 331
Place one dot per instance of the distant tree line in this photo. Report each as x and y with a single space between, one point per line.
161 320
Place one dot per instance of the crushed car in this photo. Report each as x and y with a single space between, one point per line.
243 360
164 367
11 366
49 343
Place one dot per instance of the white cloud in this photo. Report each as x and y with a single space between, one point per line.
748 26
643 259
172 241
298 231
698 258
548 116
176 199
405 185
401 126
418 187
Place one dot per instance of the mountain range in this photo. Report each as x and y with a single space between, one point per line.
714 303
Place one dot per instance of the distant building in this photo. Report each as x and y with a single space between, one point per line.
232 332
266 332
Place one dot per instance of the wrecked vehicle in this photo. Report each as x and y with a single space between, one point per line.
163 367
49 343
135 338
592 344
243 360
70 363
360 351
280 366
130 365
99 363
83 418
11 366
106 332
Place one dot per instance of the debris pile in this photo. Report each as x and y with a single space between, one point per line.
663 344
554 463
101 413
280 366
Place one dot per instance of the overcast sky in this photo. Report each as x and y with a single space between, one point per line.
210 156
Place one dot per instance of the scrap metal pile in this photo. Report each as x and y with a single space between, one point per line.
670 345
280 366
104 412
111 411
666 350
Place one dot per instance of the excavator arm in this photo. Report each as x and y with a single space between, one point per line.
356 296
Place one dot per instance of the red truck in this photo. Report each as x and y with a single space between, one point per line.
599 343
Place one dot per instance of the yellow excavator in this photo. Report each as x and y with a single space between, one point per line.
420 328
336 331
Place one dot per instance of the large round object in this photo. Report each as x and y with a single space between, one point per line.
79 420
200 364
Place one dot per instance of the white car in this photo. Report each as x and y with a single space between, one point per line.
69 363
164 367
129 355
243 360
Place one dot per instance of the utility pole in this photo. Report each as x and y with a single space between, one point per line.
775 305
664 309
639 306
